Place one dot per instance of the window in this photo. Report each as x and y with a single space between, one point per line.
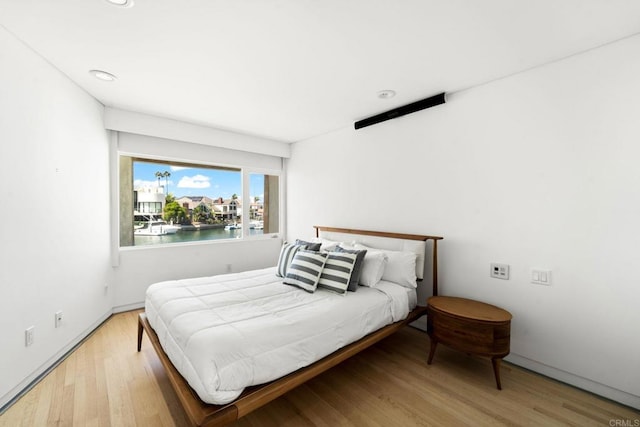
170 202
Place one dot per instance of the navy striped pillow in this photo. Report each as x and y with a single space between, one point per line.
337 272
305 269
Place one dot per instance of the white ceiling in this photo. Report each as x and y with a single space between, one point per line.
293 69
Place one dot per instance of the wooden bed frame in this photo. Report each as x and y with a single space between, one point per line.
204 414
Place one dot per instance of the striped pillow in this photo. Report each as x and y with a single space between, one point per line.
357 267
305 269
337 272
287 253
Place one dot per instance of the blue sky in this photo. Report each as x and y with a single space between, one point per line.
194 181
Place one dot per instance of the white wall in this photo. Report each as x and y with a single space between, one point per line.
144 124
538 170
141 267
54 220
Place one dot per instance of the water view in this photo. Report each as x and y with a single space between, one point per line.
193 235
210 205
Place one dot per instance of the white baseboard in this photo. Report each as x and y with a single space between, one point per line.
128 307
27 384
576 381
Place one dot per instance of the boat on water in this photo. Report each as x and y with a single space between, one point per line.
156 228
236 226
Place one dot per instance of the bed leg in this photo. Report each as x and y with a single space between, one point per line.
140 330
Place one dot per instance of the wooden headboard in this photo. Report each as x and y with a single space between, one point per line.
335 233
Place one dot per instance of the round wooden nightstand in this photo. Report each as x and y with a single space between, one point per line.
470 326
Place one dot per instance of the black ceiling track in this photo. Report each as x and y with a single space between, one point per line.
401 111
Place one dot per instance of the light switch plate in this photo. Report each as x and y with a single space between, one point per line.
541 277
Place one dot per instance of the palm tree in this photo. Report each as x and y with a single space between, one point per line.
166 175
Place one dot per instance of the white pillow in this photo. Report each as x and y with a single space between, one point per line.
326 244
372 268
351 246
400 267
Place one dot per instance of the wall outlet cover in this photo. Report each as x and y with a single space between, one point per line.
499 271
28 336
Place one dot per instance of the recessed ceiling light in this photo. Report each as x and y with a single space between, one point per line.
121 3
103 75
386 94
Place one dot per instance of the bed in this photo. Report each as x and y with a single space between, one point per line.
317 329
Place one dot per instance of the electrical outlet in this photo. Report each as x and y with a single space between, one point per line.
58 318
499 271
106 288
229 269
541 277
28 336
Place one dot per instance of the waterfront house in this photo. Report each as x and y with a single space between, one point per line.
191 202
227 209
148 202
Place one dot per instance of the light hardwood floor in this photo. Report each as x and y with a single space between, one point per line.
105 382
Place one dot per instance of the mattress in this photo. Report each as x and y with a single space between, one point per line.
224 333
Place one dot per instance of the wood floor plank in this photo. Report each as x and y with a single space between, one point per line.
352 401
106 382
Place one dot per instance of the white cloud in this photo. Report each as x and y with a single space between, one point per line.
141 183
196 181
178 168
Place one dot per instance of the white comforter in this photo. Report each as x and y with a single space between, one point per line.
224 333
